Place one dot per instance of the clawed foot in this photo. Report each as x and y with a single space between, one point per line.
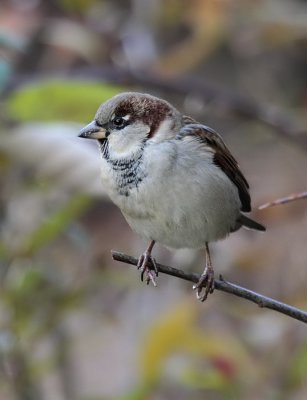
205 285
148 266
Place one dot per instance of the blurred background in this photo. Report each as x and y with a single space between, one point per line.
75 325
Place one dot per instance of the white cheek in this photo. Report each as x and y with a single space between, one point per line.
128 141
164 132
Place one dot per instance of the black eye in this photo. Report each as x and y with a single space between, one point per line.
119 122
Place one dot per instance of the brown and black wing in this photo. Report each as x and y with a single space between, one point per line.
221 157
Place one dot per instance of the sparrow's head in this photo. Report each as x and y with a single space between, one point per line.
128 120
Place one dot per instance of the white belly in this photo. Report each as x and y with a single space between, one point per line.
183 202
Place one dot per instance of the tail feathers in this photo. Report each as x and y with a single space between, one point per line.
250 223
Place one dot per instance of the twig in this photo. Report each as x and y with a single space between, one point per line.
221 284
284 200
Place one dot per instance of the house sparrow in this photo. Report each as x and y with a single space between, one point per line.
173 178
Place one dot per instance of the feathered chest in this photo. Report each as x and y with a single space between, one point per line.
121 176
127 174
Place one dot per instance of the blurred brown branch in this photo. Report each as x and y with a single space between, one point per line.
221 284
284 200
231 102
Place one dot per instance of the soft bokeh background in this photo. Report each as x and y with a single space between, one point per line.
73 324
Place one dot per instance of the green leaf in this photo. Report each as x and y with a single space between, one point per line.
298 367
59 100
3 251
210 379
140 393
77 5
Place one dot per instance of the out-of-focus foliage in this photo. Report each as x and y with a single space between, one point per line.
74 325
76 165
297 374
177 331
55 224
58 100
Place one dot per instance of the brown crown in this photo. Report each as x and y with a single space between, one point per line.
149 110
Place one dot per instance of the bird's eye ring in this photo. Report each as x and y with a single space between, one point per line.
119 122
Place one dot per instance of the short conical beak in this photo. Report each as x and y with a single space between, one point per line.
93 131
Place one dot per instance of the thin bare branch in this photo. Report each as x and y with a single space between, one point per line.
284 200
221 284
